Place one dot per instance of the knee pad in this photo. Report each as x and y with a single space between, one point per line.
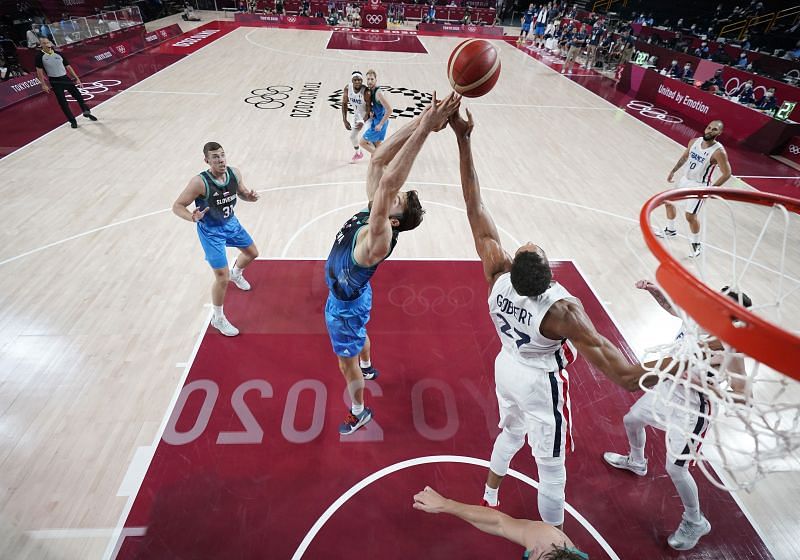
505 447
552 481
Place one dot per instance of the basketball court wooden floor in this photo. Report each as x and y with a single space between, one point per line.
103 292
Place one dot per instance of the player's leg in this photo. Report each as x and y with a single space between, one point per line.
347 327
365 361
76 94
639 416
213 241
512 423
355 134
692 213
547 420
239 238
693 524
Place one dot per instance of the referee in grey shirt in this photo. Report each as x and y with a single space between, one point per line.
56 66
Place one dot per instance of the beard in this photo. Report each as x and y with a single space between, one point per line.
709 137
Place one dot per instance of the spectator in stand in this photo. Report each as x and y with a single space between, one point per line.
674 70
430 17
467 19
688 73
745 93
702 50
793 54
595 38
627 47
649 21
743 62
768 101
32 38
714 83
279 8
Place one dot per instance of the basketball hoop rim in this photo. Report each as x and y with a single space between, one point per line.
717 313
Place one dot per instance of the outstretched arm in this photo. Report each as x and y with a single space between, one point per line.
530 534
567 319
484 232
374 246
657 294
385 153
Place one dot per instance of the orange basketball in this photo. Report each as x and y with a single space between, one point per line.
473 68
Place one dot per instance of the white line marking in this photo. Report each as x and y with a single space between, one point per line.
180 365
361 203
356 488
99 533
173 92
308 185
121 532
763 177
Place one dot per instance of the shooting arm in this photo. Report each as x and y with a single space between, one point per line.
385 153
484 232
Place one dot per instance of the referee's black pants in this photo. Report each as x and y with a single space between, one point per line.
62 84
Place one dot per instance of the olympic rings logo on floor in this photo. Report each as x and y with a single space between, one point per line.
794 149
270 97
90 89
430 298
374 19
652 112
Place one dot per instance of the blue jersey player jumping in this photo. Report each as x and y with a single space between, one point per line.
381 111
365 241
214 193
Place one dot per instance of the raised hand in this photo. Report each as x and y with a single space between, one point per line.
435 116
462 128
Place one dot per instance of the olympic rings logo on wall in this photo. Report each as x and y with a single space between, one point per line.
374 19
90 89
650 111
270 97
291 19
430 298
729 90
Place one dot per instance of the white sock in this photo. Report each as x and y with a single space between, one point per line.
671 224
490 495
236 271
694 237
357 409
218 311
365 364
637 455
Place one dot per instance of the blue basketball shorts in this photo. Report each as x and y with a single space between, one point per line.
539 30
526 27
215 238
373 134
347 323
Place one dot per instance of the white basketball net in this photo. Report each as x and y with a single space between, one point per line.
755 429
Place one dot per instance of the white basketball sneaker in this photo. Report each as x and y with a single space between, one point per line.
688 533
624 462
224 326
240 282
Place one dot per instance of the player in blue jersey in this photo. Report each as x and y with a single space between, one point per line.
365 241
381 111
214 193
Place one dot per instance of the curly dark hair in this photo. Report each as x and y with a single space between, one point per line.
530 274
561 553
412 217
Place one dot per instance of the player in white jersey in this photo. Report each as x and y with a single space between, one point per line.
704 154
540 324
357 96
686 415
